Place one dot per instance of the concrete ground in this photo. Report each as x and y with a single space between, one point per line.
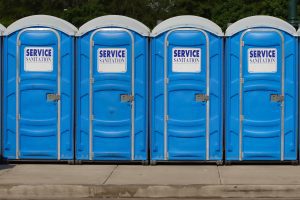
162 181
169 199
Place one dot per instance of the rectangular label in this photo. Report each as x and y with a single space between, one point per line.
38 59
262 60
186 60
112 60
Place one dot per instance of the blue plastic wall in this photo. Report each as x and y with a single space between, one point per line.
38 117
112 122
1 72
186 132
261 132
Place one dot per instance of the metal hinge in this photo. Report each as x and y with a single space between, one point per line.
91 117
18 117
242 117
167 80
242 80
93 43
92 80
166 117
242 43
167 43
92 154
19 43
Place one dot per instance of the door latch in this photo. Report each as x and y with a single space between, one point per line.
53 97
127 98
201 97
277 98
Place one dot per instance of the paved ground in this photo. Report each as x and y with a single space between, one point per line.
169 181
172 199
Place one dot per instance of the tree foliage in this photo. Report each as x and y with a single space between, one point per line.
147 11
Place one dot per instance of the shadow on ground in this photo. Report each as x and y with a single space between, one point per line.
5 166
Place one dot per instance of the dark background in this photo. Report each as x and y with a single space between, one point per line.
78 12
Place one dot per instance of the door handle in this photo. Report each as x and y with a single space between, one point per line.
53 97
201 97
127 98
277 98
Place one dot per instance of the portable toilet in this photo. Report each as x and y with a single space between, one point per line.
38 89
261 90
112 71
298 142
186 93
2 29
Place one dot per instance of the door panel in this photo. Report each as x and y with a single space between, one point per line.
38 78
112 72
186 124
262 73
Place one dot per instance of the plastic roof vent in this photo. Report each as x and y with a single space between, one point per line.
114 21
42 20
260 21
187 21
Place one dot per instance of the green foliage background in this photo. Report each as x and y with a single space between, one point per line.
147 11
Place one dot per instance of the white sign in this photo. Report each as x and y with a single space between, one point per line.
186 60
38 59
112 60
262 60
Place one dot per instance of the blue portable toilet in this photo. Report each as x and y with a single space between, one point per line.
261 90
186 100
2 29
38 89
112 70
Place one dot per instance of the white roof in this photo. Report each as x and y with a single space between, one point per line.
260 21
42 20
187 21
114 21
298 32
2 29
